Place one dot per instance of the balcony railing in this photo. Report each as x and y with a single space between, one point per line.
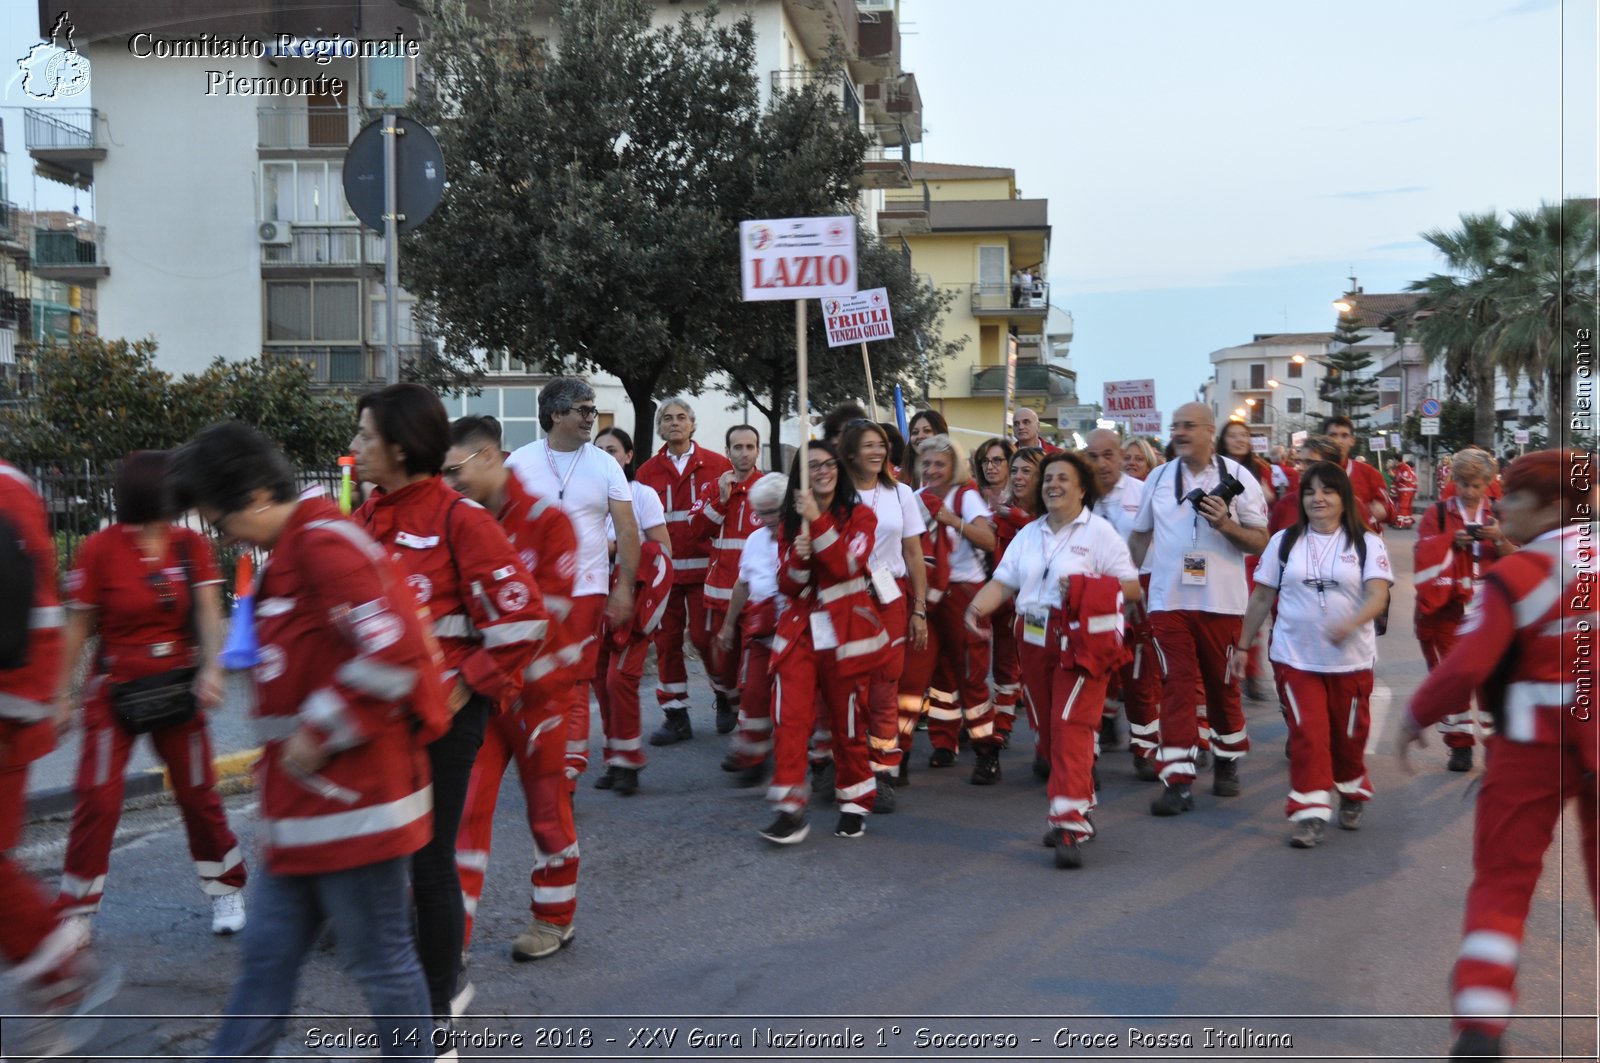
62 129
299 128
336 366
1004 299
1241 383
325 245
793 80
9 304
1032 379
70 252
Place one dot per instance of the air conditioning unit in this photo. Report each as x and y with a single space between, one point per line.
274 232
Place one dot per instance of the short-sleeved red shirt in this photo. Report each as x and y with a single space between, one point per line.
140 603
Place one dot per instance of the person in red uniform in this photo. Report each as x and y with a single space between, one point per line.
1015 511
485 611
1405 491
721 520
1458 541
48 957
149 589
1025 424
348 694
1533 617
1372 494
828 643
677 472
532 732
1234 441
753 609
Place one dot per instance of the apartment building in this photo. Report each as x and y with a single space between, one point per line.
1273 383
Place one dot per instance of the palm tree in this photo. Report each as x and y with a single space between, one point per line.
1456 316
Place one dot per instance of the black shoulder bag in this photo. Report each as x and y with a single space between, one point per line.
167 698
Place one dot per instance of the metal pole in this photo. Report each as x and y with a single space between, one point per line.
391 248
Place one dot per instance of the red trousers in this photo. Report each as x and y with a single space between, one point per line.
1141 691
30 929
1067 703
1006 667
685 613
536 747
1460 729
883 687
618 672
914 680
1195 646
960 689
586 620
722 668
752 742
805 677
185 748
1328 724
1403 498
1524 789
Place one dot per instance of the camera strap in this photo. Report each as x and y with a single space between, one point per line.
1177 492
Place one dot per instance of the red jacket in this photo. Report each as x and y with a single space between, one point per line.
344 658
26 692
935 547
834 579
678 496
719 529
1008 520
1405 478
547 547
1445 575
485 612
653 589
1515 648
1093 639
1366 483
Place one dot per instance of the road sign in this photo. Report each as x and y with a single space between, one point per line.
1430 425
858 318
1520 437
419 174
1430 408
1380 442
798 258
1066 415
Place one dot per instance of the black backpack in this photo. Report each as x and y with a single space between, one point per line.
1292 534
16 596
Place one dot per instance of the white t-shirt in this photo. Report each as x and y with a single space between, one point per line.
1121 504
583 484
1180 533
966 566
1038 558
647 512
758 564
899 518
1299 635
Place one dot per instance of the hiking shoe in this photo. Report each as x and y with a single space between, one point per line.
1041 769
754 775
1307 833
607 779
733 762
1476 1044
1173 800
851 825
1350 813
986 772
727 715
822 777
1225 778
883 804
942 758
627 781
790 828
541 939
1069 849
675 728
1144 769
227 913
1051 837
1108 732
1202 759
1460 759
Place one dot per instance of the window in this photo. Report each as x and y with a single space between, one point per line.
405 332
1296 370
304 192
516 408
1258 376
313 312
1297 405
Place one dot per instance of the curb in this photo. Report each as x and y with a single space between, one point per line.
233 772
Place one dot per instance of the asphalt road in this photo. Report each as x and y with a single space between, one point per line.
948 916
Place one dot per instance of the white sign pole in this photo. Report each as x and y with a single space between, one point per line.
872 393
802 399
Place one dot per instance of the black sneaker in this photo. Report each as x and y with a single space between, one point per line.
1476 1044
1350 813
851 825
942 758
822 778
1069 850
1225 779
607 779
1041 769
1144 769
1108 732
1051 837
1173 800
727 715
627 782
883 804
790 828
986 772
675 728
1307 834
1460 759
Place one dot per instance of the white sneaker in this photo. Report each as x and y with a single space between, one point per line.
227 913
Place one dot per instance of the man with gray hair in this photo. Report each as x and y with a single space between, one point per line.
677 473
587 485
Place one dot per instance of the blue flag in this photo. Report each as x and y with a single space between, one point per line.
900 410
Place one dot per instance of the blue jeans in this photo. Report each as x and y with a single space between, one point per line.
371 917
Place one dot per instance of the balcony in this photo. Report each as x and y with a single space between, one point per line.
837 85
888 159
999 300
325 245
895 99
8 222
337 367
306 128
73 252
1249 386
65 143
879 45
819 23
1045 381
9 309
905 217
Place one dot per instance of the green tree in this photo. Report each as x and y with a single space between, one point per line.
1348 386
591 216
1457 315
275 396
1455 427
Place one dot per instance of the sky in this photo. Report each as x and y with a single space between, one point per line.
1213 170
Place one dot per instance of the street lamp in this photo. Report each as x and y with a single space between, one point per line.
1239 412
1252 403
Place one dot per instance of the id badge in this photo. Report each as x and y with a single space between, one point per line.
1033 630
823 637
884 585
1194 570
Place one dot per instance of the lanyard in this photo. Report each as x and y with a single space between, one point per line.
1065 541
550 456
1314 562
1177 493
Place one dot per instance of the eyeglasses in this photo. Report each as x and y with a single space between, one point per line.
586 412
1185 426
452 470
995 460
815 467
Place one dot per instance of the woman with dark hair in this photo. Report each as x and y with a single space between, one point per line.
991 469
1070 572
1234 441
924 424
1015 510
347 695
149 589
1330 579
899 587
897 447
829 643
485 611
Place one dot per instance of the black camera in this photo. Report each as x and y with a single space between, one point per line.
1476 531
1227 489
